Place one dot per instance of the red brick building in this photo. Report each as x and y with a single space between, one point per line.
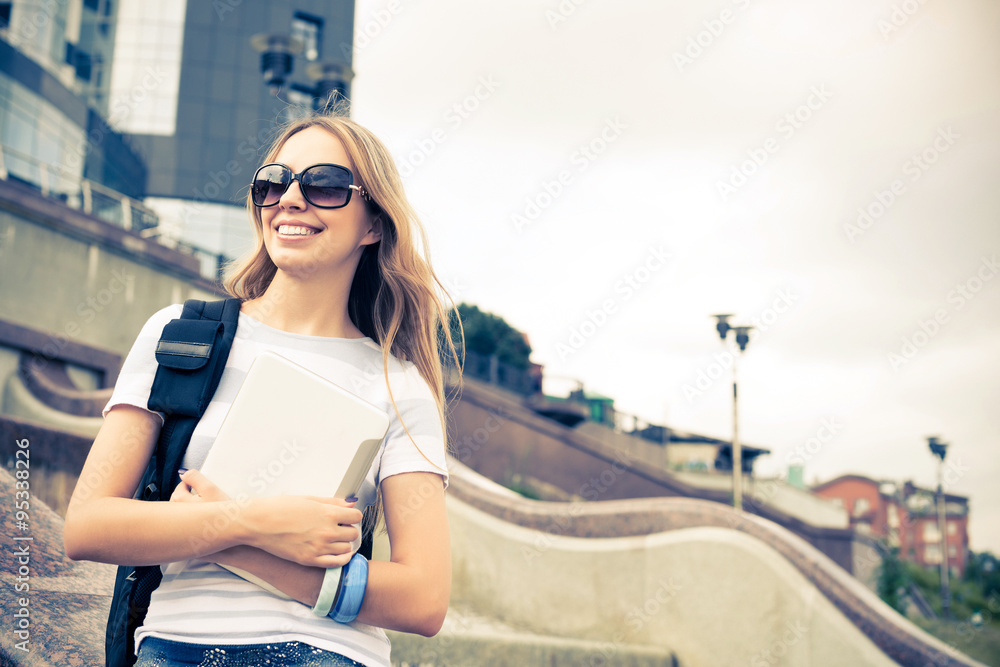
904 516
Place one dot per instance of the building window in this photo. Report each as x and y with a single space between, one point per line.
932 554
952 551
861 506
931 532
146 71
952 528
893 516
310 29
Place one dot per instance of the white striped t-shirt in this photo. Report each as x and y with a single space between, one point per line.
203 603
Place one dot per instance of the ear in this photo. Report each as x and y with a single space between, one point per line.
374 234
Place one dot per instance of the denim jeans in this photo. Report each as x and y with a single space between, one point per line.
156 652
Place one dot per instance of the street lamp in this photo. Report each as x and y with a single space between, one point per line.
742 336
332 81
277 53
939 449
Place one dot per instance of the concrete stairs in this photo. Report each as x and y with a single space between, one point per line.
472 640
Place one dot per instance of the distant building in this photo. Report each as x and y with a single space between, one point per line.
905 517
153 114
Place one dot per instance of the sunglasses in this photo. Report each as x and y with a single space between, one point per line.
322 185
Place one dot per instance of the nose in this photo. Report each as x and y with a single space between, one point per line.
292 196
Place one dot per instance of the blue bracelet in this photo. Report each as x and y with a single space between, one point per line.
353 583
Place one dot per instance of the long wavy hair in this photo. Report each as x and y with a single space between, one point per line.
395 298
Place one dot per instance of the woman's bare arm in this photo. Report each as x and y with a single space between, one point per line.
105 524
409 593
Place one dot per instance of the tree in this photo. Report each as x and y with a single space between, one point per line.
488 335
891 578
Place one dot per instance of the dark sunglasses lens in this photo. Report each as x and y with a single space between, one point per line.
326 185
269 184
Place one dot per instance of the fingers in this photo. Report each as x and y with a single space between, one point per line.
182 493
202 485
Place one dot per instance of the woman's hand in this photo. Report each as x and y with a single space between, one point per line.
311 531
195 488
307 530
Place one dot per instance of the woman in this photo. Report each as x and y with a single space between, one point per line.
335 283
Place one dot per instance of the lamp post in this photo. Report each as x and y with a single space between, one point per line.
277 53
742 336
939 449
332 81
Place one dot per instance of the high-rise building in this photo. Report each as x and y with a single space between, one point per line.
152 114
199 87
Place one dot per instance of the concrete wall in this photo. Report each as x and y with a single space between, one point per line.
499 438
81 279
712 595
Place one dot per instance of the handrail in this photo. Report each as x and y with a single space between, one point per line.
105 203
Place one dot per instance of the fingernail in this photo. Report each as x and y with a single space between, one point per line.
181 471
351 499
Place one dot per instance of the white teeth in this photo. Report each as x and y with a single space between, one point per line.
290 230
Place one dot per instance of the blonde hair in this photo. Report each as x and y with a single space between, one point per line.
395 298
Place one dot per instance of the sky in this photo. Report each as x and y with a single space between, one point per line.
606 176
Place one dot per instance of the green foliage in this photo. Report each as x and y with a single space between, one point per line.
487 334
892 579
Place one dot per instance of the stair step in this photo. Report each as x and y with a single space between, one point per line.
467 639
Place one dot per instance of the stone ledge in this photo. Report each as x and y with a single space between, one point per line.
895 636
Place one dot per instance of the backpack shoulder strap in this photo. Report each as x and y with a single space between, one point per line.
191 356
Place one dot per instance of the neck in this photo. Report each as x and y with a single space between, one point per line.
305 306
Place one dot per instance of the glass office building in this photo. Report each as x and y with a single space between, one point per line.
189 87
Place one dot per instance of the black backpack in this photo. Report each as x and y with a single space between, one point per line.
191 355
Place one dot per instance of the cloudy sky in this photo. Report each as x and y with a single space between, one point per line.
607 175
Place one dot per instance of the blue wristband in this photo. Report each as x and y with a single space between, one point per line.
353 583
328 592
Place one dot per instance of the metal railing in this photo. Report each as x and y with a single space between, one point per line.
492 370
112 207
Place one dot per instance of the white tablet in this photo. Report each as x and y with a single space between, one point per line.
291 432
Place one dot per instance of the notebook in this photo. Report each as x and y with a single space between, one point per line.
290 431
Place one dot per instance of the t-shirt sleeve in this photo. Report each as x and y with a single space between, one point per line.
136 378
420 446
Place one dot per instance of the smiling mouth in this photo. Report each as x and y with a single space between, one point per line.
296 230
